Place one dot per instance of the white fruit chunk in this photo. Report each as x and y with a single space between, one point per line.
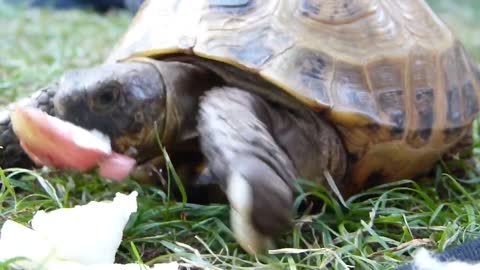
84 235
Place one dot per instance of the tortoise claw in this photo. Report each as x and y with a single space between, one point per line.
206 178
261 204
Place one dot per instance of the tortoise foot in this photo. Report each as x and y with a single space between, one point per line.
11 153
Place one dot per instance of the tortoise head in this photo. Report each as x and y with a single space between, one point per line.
133 102
122 100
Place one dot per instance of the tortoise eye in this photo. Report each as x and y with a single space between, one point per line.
106 97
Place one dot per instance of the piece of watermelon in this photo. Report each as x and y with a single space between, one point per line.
52 142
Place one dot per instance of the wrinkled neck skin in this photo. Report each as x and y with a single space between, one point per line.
176 127
184 84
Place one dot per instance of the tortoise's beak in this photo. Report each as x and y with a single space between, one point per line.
74 103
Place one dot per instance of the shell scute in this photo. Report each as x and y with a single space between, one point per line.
236 6
391 103
424 117
312 74
258 46
304 72
387 82
422 74
455 75
335 12
454 107
223 15
470 102
351 90
476 72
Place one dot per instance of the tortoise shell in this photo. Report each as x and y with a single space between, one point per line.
389 74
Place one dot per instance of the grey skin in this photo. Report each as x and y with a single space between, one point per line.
254 149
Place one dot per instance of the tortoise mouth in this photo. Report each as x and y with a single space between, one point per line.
50 141
142 144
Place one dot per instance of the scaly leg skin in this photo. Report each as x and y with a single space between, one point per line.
11 153
255 151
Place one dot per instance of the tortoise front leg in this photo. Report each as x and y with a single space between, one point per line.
256 150
11 153
255 173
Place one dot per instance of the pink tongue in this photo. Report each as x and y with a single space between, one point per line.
52 142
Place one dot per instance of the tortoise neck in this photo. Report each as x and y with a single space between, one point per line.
181 107
183 84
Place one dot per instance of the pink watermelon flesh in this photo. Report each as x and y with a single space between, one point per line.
59 144
116 166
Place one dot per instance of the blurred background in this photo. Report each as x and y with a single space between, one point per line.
97 5
463 16
38 44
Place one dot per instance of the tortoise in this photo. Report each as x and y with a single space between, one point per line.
266 92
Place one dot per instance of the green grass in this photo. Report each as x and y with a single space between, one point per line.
378 229
463 17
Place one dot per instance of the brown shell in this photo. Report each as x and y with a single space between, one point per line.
389 74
